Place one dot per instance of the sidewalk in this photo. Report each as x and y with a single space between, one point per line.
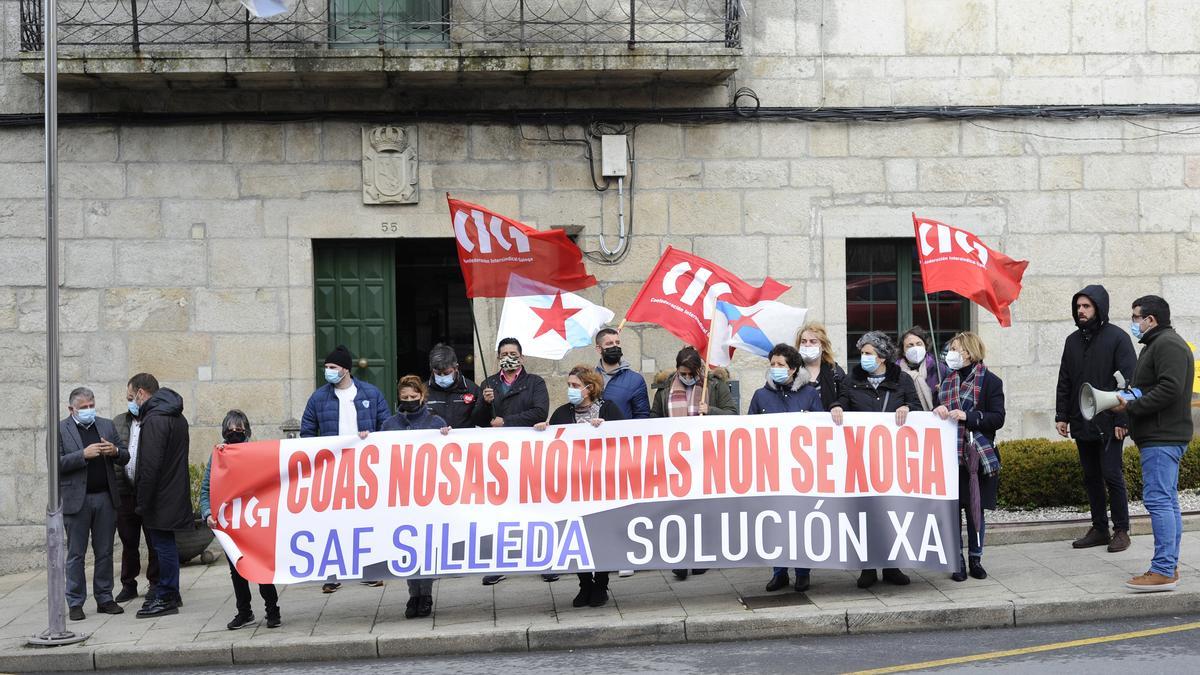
1027 584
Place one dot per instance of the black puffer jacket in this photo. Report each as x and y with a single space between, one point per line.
164 491
1091 355
457 404
857 395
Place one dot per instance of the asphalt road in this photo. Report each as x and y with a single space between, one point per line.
1177 651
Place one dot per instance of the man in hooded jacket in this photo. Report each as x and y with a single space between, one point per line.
1092 354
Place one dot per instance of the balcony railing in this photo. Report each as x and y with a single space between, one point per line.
134 25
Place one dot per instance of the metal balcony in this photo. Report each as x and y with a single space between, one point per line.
433 41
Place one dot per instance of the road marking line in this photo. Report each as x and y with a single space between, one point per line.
987 656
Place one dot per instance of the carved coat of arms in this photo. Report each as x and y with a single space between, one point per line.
389 165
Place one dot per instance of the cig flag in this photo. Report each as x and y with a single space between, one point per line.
756 329
956 260
682 289
491 248
548 321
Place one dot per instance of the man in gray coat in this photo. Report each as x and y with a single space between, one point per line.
89 450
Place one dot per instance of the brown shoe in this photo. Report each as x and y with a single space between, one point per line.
1151 582
1120 541
1093 537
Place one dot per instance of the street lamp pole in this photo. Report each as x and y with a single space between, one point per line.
56 557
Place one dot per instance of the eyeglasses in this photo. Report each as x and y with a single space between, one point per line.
1135 317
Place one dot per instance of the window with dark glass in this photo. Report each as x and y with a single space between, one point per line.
884 292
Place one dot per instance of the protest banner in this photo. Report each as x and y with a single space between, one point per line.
722 491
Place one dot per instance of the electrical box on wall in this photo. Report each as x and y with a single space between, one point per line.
614 155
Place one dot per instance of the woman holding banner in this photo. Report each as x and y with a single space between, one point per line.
877 385
584 405
787 390
824 373
690 390
919 362
974 396
412 413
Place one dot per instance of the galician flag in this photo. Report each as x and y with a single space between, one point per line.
262 9
548 321
756 329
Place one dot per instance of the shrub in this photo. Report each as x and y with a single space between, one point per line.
1037 472
196 477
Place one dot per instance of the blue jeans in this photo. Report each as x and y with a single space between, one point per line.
1160 492
163 542
800 571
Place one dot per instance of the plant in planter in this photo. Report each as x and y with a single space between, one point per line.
194 542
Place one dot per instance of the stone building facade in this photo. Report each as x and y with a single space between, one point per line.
188 244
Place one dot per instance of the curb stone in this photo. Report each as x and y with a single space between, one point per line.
931 616
141 656
475 642
1002 534
326 648
1113 606
43 659
581 636
720 628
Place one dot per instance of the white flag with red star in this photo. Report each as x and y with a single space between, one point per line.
548 322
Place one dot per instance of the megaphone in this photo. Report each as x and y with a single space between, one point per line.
1094 401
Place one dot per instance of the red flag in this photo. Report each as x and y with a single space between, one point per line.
491 248
681 292
956 260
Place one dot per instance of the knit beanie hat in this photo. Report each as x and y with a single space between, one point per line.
881 342
340 356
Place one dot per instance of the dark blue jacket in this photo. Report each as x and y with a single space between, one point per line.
799 396
321 413
626 389
422 419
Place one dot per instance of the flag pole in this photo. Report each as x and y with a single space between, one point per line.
56 632
620 325
478 340
932 332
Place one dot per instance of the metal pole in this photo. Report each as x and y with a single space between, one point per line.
56 560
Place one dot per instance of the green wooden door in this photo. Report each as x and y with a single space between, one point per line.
355 298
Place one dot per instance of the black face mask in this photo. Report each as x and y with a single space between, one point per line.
408 407
232 437
611 355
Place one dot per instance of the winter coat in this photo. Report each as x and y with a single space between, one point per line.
565 413
322 412
162 485
422 419
1091 355
987 418
524 404
626 389
830 379
1164 373
896 390
73 469
799 396
457 404
720 398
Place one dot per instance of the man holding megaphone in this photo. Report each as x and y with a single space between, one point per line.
1160 421
1092 357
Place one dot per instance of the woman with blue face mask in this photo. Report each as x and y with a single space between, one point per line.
788 389
586 405
877 384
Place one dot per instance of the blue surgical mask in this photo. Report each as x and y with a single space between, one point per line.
133 408
86 415
869 362
687 381
574 396
778 375
332 376
1135 329
444 381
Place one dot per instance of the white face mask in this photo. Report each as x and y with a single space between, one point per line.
810 353
915 354
955 360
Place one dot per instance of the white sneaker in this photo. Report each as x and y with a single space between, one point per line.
625 573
